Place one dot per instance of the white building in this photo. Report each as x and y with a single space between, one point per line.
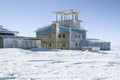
66 33
8 39
97 43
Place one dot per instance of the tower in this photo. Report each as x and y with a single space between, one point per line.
68 18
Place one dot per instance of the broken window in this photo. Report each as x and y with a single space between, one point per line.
63 35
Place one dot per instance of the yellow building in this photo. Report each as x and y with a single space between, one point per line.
67 33
64 33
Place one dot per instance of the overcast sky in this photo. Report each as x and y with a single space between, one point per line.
101 18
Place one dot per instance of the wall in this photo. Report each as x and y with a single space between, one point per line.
103 45
52 40
63 39
77 40
1 42
20 43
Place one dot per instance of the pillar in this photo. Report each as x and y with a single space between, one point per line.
76 16
72 16
56 17
64 17
61 17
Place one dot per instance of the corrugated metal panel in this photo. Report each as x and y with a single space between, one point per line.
45 31
63 29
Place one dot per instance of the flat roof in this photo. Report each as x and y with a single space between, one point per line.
65 12
3 30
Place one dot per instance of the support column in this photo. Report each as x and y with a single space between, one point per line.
72 16
61 17
56 17
64 17
70 38
76 16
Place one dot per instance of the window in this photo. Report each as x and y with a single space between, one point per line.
59 36
75 36
84 36
75 44
50 44
78 35
63 35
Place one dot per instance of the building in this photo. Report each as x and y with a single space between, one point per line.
97 43
8 39
65 32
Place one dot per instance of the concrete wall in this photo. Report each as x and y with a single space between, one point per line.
48 40
52 40
71 23
102 45
24 43
77 40
1 42
63 39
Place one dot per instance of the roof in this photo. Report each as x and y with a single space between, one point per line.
61 29
3 30
47 30
65 12
95 40
79 30
7 36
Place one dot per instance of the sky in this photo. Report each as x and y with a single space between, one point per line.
101 18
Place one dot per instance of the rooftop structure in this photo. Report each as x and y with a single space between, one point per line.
63 15
4 31
8 39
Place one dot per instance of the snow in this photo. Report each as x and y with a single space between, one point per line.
41 64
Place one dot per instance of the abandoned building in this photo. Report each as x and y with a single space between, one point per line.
97 43
8 39
66 33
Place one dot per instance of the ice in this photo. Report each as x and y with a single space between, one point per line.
41 64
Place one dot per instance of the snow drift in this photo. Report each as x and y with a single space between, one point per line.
39 64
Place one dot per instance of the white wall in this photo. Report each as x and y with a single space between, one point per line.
76 40
21 43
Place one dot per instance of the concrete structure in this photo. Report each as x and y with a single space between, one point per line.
8 39
66 32
97 43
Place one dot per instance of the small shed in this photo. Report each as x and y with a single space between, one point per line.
93 49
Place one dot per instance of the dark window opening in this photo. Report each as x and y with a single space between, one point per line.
50 44
63 36
75 44
59 36
84 36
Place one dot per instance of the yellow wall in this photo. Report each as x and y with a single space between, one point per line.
50 40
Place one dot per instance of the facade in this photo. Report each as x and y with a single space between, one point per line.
8 39
97 43
66 33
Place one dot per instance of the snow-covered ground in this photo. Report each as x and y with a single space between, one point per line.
38 64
